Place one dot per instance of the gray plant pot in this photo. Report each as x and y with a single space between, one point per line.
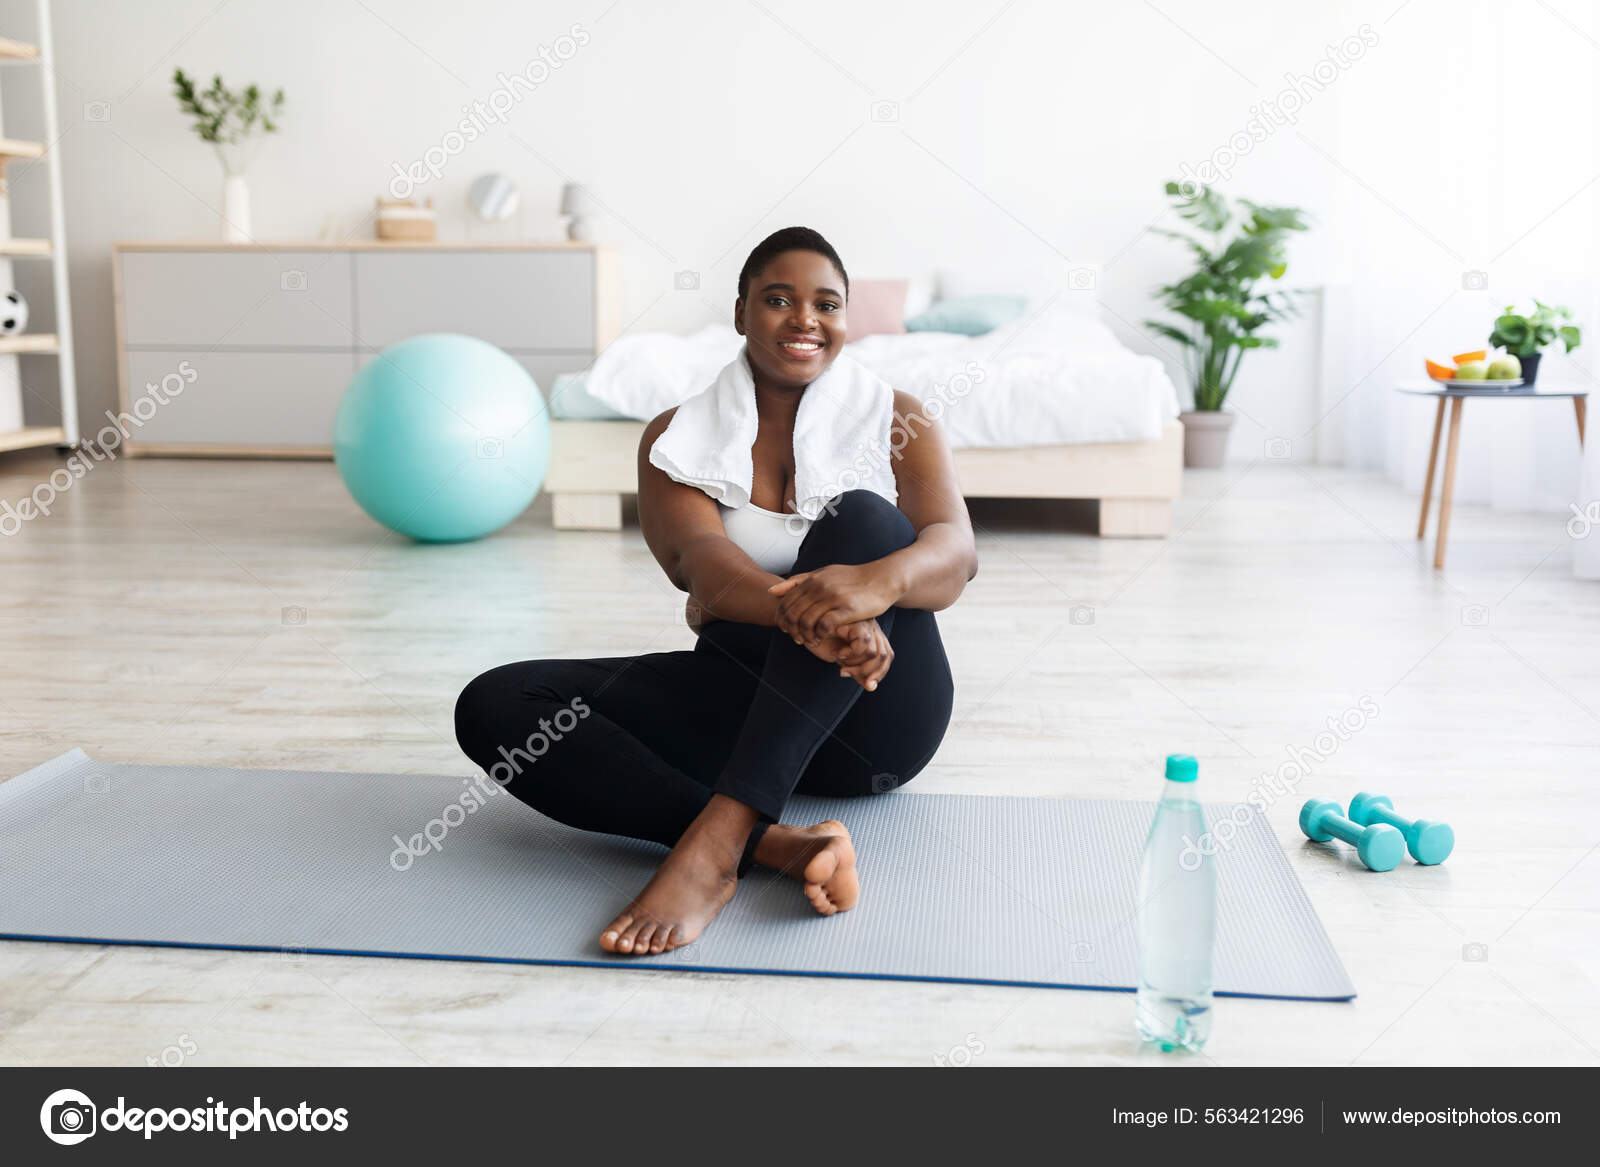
1205 438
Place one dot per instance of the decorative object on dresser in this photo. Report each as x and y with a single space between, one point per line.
407 220
494 198
576 205
234 122
15 432
266 337
1222 305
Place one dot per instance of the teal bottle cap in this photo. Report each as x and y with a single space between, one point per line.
1182 768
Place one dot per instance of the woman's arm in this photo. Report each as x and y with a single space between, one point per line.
931 573
684 531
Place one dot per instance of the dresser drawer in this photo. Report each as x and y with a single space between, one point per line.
519 300
237 298
278 400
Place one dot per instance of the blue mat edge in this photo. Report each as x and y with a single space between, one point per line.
625 962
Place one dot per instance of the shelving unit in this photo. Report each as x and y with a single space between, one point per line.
30 436
25 248
53 248
17 148
11 50
30 344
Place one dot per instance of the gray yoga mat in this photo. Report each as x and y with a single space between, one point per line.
1001 890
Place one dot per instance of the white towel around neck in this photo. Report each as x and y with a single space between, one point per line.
841 437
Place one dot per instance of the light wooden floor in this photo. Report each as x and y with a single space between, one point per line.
145 621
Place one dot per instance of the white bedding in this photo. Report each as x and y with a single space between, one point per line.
1058 378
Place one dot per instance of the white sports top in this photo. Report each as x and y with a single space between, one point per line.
771 539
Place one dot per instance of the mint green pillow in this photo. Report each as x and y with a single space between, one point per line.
969 315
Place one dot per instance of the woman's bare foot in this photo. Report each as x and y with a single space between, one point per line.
694 882
821 857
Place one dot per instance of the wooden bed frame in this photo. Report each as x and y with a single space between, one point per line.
593 464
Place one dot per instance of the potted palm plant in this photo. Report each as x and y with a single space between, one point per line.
1224 302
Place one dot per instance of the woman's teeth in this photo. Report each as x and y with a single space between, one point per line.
799 346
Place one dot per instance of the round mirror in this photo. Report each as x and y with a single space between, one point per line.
494 197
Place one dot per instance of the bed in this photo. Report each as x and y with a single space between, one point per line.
1049 406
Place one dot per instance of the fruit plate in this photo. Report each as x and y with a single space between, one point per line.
1453 383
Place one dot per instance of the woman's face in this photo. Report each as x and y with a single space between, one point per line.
792 318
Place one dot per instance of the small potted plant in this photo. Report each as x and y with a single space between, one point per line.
1224 303
233 121
1524 337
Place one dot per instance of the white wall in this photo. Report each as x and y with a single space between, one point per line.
1033 134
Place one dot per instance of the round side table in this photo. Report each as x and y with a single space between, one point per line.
1456 396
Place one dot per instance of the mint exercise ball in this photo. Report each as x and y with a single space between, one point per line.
443 438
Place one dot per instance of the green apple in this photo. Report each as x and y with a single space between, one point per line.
1505 367
1472 370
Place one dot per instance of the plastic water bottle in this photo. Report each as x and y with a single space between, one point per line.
1177 918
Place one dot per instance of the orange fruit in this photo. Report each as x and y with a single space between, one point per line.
1440 372
1481 354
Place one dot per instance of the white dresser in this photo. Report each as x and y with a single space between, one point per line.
260 340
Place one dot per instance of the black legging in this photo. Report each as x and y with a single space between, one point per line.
638 745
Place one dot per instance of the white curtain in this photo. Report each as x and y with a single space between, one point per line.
1467 177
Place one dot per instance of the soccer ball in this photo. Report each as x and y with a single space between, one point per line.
13 314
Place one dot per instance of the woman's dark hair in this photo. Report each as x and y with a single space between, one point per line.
789 239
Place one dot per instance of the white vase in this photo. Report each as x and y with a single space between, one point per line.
235 209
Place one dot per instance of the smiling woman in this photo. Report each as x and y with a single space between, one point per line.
819 666
791 349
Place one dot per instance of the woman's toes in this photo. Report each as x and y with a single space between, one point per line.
661 941
611 938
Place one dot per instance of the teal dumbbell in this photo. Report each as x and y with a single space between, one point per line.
1380 847
1428 842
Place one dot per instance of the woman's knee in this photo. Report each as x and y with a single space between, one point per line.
484 706
856 527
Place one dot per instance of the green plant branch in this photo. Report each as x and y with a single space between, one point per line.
1221 298
226 117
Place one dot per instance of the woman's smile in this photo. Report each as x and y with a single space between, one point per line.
801 348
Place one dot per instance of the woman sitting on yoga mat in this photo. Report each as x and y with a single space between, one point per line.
812 514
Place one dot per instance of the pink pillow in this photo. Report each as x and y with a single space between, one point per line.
875 306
